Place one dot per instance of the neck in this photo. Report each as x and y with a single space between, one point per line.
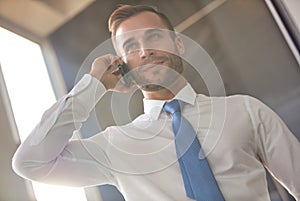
166 93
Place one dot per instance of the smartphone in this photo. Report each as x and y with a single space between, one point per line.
123 68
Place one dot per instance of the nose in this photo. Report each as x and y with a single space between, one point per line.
145 52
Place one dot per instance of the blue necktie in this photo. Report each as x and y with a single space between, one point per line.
199 181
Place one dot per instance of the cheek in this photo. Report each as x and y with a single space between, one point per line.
129 59
132 61
168 46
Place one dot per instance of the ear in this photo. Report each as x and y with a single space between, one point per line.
179 44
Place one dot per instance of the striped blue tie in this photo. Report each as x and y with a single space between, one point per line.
199 181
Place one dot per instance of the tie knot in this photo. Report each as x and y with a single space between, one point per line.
173 106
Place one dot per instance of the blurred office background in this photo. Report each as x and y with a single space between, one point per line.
254 44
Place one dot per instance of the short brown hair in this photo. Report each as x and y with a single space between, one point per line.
123 12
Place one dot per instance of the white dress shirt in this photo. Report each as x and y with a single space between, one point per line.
240 137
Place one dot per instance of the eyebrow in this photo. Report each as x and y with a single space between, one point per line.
147 32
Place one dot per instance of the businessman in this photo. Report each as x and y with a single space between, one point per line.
174 150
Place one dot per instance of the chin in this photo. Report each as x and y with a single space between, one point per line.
151 87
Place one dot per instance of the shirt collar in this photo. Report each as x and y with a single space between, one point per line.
153 107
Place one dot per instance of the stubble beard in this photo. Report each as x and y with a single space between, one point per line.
173 70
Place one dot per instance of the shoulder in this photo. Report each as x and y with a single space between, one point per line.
235 103
232 99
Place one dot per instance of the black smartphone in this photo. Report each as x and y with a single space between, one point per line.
123 68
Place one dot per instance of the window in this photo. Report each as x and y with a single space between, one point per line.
30 93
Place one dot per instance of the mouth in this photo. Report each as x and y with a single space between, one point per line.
152 66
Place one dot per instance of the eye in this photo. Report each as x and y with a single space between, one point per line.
154 37
131 47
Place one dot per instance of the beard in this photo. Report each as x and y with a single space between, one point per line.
168 67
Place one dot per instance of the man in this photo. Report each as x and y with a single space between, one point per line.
141 158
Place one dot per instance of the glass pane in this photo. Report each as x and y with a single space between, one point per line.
30 92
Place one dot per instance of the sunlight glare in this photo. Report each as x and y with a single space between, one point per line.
30 94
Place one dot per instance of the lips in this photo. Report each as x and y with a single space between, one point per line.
152 66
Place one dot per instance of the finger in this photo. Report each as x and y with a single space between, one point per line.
115 62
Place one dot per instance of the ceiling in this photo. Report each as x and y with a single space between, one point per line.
42 17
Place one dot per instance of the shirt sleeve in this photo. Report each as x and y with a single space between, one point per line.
277 146
49 155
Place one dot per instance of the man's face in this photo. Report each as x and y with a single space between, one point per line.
147 47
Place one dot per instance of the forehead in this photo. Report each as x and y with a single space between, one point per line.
144 20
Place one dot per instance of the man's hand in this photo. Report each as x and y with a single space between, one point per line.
105 70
